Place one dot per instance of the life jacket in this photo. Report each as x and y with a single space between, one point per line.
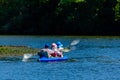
56 54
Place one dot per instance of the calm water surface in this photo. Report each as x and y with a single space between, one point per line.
95 58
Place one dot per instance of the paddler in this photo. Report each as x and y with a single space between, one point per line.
57 52
59 46
45 52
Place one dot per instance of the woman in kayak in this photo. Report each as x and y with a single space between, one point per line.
57 51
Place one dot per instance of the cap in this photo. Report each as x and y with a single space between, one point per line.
47 46
59 44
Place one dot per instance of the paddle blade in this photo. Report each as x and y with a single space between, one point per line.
26 57
74 42
73 48
66 50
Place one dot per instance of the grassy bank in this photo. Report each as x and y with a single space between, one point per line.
16 50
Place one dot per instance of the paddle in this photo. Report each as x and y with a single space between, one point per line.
70 47
27 56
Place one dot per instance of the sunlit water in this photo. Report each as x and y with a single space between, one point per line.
93 59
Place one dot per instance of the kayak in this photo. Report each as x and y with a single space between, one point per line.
45 59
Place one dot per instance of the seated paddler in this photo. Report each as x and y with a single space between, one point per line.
45 52
57 52
60 46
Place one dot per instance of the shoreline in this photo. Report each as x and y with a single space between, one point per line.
6 51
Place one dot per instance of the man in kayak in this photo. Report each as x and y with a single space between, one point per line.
45 52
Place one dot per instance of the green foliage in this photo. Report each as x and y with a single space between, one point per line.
117 11
66 1
16 50
42 16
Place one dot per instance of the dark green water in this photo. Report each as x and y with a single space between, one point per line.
95 58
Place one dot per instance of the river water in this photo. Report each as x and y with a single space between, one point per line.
95 58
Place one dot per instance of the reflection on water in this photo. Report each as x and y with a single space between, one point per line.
93 59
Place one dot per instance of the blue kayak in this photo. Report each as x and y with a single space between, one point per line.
45 59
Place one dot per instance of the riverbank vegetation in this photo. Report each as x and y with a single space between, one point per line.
6 51
60 17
